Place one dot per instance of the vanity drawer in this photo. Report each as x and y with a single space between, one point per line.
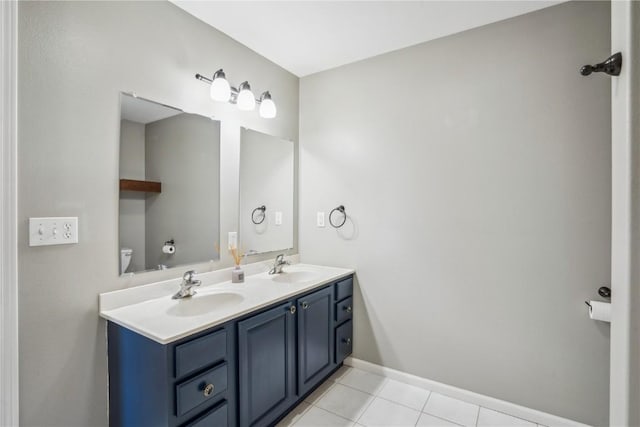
201 352
217 417
344 310
200 389
344 341
344 288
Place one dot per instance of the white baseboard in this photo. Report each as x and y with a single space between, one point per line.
468 396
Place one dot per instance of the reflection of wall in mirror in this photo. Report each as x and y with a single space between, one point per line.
132 205
266 178
183 152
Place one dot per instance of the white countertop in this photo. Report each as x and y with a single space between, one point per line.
150 311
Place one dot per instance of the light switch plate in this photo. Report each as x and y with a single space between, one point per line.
53 231
320 220
278 218
233 240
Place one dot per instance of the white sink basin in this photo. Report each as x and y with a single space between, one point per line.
296 276
202 304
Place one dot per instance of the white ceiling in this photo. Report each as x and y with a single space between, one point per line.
306 37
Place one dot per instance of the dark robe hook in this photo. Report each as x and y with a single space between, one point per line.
612 66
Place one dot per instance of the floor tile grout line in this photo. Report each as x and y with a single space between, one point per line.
401 404
365 409
510 415
440 418
422 410
309 405
330 412
449 420
384 381
443 419
459 400
321 394
357 389
352 388
377 396
341 416
427 401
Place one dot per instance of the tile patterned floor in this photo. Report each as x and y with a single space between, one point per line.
355 398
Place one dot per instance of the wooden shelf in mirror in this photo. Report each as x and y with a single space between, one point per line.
144 186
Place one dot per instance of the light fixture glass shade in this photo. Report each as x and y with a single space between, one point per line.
267 106
246 100
220 89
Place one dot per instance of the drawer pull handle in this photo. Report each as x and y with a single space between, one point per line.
292 309
347 341
348 308
305 305
208 390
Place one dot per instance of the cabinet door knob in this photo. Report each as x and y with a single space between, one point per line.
348 308
208 390
347 341
305 305
292 309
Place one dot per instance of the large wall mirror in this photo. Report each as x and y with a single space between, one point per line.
169 186
266 192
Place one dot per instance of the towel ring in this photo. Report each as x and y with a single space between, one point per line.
261 217
344 219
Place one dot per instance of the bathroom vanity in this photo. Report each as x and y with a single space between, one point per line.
233 354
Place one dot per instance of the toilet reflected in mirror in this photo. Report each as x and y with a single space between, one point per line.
125 259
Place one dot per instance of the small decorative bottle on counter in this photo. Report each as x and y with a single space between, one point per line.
237 274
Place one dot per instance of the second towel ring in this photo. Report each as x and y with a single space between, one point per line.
261 217
344 218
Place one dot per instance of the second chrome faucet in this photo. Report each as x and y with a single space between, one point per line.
278 265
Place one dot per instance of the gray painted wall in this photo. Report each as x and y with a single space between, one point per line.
132 204
74 59
476 170
183 153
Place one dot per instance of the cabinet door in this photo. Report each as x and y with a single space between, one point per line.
266 365
315 338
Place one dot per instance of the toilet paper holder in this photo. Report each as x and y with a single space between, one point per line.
604 292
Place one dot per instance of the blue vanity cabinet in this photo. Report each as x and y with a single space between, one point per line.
343 314
315 338
191 382
266 376
248 372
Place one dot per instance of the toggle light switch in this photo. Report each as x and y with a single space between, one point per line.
53 231
320 219
278 218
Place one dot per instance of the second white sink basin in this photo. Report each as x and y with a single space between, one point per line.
202 304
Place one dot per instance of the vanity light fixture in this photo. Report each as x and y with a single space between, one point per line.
220 88
267 106
242 96
246 101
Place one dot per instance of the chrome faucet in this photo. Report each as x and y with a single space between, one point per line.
186 287
278 265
